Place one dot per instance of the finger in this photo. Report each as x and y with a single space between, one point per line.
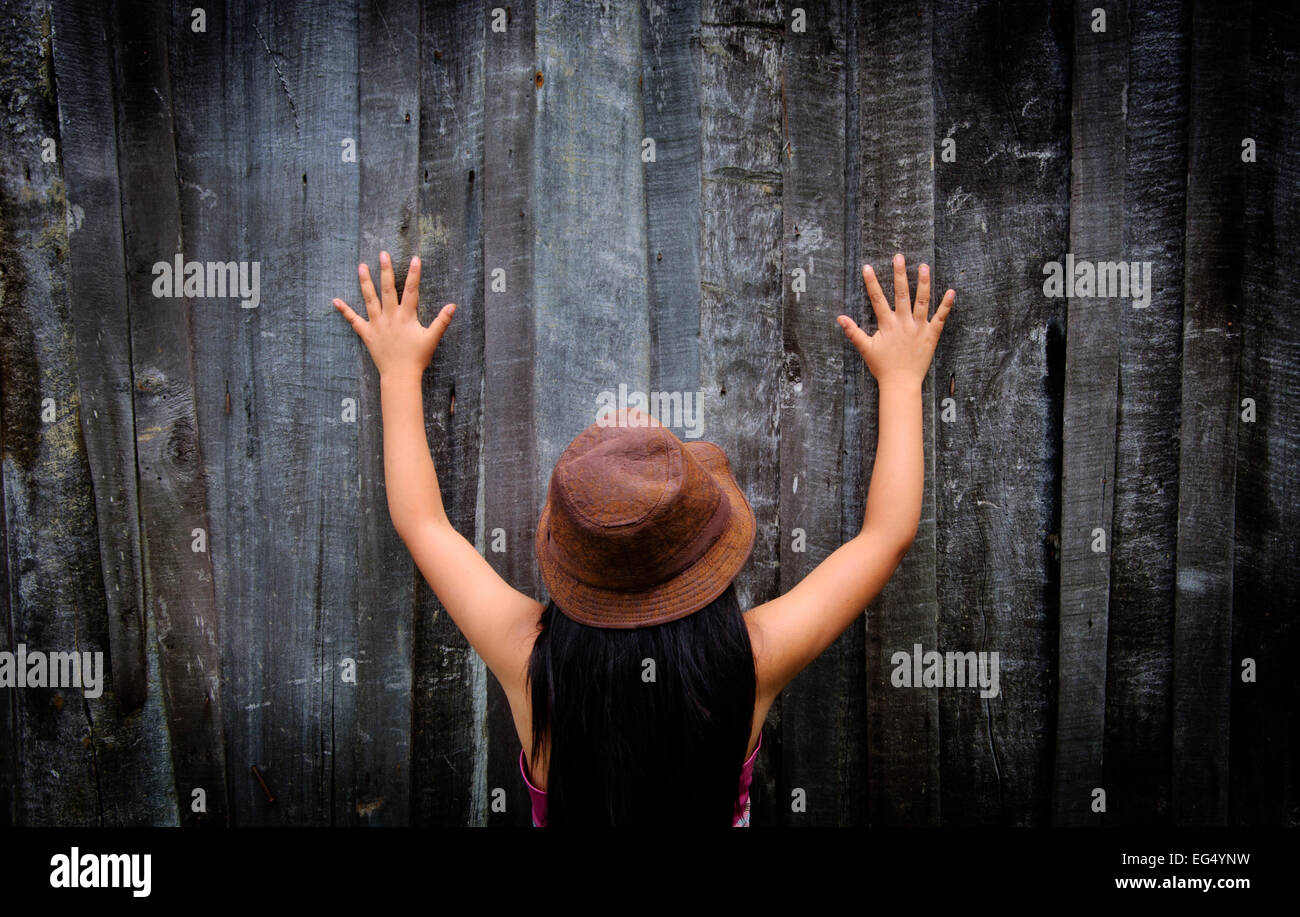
879 304
373 311
439 326
922 309
356 321
386 285
857 337
941 313
411 292
902 296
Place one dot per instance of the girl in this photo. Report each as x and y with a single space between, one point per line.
639 691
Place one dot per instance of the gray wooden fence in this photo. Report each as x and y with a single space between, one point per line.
672 196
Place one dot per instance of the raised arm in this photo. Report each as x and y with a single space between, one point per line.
792 630
497 620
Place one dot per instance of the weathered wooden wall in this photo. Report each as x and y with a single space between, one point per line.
504 145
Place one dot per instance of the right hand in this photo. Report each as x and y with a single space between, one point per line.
392 332
903 345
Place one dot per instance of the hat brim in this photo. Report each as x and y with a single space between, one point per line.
683 594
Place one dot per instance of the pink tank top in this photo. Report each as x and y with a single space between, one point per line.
742 801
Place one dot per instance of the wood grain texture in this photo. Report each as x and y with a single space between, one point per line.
131 742
507 497
176 529
670 105
51 562
741 244
591 317
1001 212
97 284
1139 670
1202 664
328 590
1101 67
389 100
811 387
1264 742
896 194
449 753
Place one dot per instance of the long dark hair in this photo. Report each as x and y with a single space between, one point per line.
628 750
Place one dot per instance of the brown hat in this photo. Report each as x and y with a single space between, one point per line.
640 528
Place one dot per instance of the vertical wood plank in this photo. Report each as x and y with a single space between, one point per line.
1139 676
823 740
1001 212
97 276
592 316
508 499
11 792
896 214
389 68
1264 741
132 756
239 201
212 162
170 465
50 560
325 487
589 283
670 104
740 303
315 48
448 753
271 394
1202 666
1101 68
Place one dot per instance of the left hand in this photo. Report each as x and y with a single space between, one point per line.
397 342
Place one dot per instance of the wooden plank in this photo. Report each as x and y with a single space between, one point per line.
670 104
508 497
1101 67
589 259
211 164
389 74
741 353
319 59
11 793
1000 214
591 315
1139 679
312 709
271 396
50 550
132 758
1266 566
448 754
896 214
97 276
823 742
178 580
1202 657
